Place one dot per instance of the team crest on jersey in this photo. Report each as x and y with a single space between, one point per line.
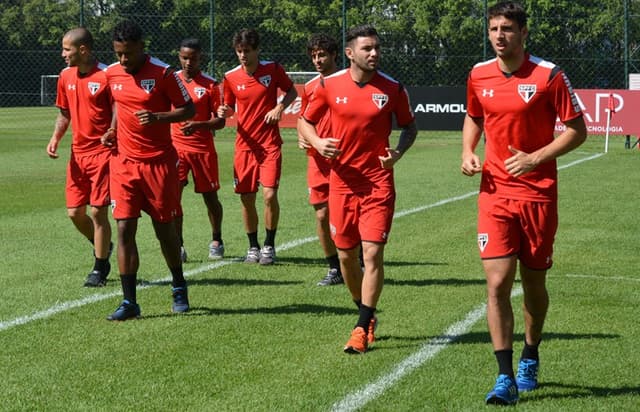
93 87
265 80
483 240
148 84
527 91
380 100
199 91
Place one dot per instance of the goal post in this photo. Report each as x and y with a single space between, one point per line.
48 89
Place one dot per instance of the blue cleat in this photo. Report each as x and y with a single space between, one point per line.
180 300
527 377
505 392
126 310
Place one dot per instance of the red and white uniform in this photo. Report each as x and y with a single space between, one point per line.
197 151
518 215
362 194
154 87
318 166
253 97
257 158
520 110
144 173
88 100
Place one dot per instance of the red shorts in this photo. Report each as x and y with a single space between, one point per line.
256 167
361 216
151 186
318 179
204 169
88 180
515 227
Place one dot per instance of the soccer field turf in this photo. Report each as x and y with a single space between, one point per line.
269 339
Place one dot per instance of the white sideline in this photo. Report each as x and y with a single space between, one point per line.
62 307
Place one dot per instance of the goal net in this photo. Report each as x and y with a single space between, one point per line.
48 89
301 77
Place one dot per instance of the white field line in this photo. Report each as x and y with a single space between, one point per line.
64 306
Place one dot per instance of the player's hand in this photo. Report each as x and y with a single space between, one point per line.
390 159
273 116
187 128
109 138
146 117
328 147
471 165
520 163
52 148
224 111
302 143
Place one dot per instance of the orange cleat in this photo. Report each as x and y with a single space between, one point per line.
373 325
357 342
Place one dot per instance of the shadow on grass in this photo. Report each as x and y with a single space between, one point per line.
434 281
483 337
557 390
276 310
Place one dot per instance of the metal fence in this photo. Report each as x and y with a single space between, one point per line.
425 42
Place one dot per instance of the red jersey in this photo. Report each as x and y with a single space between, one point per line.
88 100
205 93
154 87
323 127
361 117
254 96
520 110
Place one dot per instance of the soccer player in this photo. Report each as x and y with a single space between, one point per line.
193 139
252 88
144 173
323 51
85 102
515 99
362 101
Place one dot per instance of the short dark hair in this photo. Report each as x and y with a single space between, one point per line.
510 10
191 43
322 41
127 30
365 30
246 37
80 36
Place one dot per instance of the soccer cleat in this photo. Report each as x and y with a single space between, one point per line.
333 277
216 252
183 254
180 300
267 255
527 376
126 310
373 325
505 392
97 279
253 255
357 343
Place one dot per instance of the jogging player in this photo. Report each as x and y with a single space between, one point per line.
84 100
514 99
323 51
144 173
251 91
362 101
194 141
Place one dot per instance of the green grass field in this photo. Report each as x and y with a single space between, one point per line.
268 339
